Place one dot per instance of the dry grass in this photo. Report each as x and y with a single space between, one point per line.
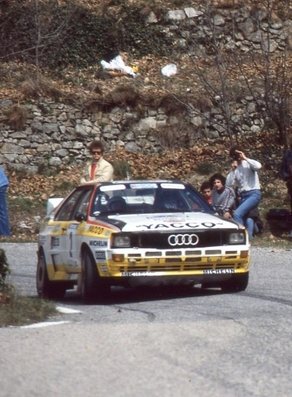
20 310
16 117
36 88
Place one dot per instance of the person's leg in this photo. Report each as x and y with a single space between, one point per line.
256 229
248 201
289 188
249 224
4 222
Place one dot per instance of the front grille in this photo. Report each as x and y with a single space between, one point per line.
206 238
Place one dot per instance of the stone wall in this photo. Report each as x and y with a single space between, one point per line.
57 134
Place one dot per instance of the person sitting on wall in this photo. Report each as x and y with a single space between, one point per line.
244 178
206 191
253 223
223 197
98 169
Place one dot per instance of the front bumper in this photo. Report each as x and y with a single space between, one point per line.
200 264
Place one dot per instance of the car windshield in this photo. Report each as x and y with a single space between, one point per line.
154 197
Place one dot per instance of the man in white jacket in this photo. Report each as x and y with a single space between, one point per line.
244 179
98 169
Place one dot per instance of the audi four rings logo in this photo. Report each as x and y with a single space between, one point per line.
183 239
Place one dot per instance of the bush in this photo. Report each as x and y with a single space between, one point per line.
16 117
122 169
4 269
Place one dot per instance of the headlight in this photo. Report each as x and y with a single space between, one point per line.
121 241
236 238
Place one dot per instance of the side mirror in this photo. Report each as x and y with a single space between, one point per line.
79 217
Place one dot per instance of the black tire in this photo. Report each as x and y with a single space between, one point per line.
45 288
237 283
92 287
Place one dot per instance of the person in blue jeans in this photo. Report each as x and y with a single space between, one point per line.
4 220
253 223
244 179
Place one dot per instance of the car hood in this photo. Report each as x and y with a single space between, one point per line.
170 221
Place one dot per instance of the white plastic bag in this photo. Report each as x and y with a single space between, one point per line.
169 70
117 63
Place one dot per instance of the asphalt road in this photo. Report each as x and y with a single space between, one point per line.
154 343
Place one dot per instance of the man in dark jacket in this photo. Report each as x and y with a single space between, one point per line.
286 170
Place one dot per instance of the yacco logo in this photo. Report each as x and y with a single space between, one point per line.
183 239
192 225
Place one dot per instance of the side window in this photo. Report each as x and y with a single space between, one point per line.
100 203
83 203
66 211
196 202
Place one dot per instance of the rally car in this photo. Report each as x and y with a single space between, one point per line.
133 233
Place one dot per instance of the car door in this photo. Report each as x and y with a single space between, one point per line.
75 235
65 225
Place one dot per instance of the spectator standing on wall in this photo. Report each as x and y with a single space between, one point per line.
4 220
223 197
286 169
98 169
244 178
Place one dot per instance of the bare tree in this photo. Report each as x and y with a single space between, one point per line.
265 73
276 73
33 26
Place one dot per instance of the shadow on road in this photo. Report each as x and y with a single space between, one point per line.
120 295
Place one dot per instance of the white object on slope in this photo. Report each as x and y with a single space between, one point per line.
117 63
169 70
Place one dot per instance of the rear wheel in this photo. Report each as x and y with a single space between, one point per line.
92 287
237 283
45 287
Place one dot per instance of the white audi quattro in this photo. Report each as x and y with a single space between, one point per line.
133 233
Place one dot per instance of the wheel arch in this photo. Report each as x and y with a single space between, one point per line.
85 248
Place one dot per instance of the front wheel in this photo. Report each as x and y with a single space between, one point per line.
45 288
237 283
92 287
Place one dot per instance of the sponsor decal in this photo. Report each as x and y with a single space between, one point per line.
55 242
96 229
109 188
178 225
98 243
173 186
218 271
99 255
143 185
139 274
176 240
